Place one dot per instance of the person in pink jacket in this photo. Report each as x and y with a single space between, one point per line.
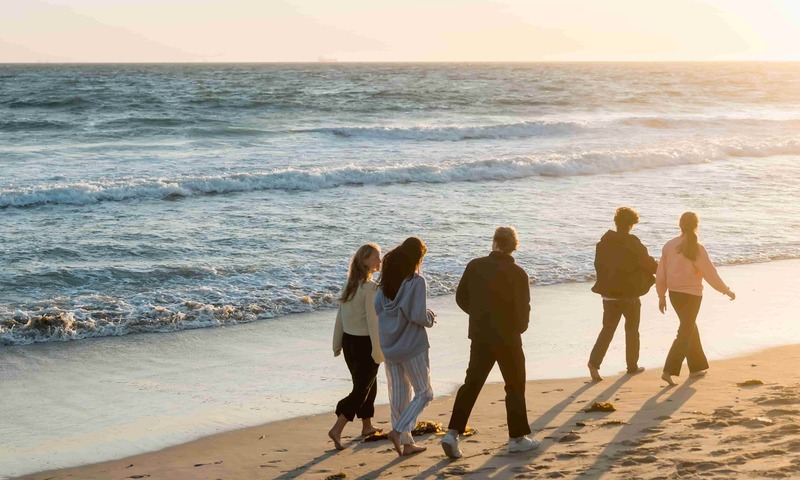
683 266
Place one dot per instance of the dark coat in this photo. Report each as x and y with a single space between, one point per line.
495 292
624 268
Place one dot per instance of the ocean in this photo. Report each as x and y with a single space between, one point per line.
143 203
156 198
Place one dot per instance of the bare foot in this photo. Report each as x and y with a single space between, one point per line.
367 433
637 371
594 373
699 373
413 448
394 436
337 441
668 378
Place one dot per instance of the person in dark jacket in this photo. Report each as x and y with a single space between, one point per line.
625 272
494 291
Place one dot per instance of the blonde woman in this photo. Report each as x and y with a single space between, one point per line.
683 266
356 334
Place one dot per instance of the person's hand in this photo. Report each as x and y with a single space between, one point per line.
337 352
662 305
731 294
432 314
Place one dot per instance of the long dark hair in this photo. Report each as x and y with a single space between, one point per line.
400 264
688 246
359 271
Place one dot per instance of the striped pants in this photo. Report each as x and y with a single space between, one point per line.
401 378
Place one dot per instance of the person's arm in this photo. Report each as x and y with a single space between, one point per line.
338 333
372 321
709 272
646 262
661 280
462 292
418 303
522 301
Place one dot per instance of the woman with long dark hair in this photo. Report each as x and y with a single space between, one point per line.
683 266
403 316
356 333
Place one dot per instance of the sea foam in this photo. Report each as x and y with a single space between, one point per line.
581 163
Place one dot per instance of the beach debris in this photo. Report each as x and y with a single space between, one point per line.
421 428
725 413
336 475
262 437
374 437
570 437
750 383
607 423
601 407
427 427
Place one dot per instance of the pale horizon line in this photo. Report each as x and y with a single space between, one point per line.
351 62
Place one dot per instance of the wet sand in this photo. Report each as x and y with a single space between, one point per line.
708 427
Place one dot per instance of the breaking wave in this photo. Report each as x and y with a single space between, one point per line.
559 165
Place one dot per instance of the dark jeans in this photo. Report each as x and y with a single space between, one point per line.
482 357
613 310
687 344
363 369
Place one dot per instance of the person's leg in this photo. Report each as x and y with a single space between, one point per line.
632 311
682 304
481 361
511 360
399 395
368 371
695 356
611 315
346 408
419 374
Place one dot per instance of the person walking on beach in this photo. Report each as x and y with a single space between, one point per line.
494 291
356 333
403 316
625 272
683 266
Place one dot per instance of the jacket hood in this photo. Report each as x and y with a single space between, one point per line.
612 237
401 299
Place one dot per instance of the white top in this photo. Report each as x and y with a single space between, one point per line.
357 317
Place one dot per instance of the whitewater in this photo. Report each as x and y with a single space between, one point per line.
156 198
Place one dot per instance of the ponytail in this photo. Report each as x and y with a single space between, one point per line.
689 246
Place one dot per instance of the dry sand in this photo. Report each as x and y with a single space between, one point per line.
707 427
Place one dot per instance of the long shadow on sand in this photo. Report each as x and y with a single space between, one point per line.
303 469
643 425
498 464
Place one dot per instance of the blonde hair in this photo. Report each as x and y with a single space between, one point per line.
506 238
358 272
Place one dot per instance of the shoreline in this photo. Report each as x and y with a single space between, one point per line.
155 392
708 424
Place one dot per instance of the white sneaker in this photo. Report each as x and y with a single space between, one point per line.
522 444
450 446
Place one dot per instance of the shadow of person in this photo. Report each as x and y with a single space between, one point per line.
295 472
642 426
497 458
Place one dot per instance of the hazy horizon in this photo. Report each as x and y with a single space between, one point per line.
414 31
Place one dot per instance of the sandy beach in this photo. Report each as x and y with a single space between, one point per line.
710 427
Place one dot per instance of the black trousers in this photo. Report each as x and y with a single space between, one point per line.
613 310
687 343
482 357
363 370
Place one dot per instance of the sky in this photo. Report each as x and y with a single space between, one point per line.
397 31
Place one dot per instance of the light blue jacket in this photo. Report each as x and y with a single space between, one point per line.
402 321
